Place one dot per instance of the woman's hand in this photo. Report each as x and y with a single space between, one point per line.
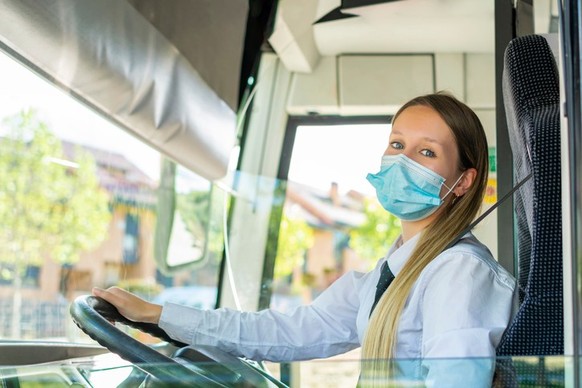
129 305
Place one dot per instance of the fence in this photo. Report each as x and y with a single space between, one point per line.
38 319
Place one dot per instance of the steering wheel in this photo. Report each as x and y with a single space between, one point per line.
210 366
94 315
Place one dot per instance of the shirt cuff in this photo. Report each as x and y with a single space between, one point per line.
179 322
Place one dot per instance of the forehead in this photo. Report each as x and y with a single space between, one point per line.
420 120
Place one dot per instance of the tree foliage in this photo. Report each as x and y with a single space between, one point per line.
194 208
295 238
373 238
49 206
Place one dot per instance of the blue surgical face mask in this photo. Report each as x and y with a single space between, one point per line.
407 189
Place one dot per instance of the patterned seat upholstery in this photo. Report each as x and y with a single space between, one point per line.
532 103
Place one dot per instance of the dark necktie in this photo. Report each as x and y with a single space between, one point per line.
386 277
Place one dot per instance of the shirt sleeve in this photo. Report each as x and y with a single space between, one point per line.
466 308
322 329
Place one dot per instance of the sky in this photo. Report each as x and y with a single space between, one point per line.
344 154
321 155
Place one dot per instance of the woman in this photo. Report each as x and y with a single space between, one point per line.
443 303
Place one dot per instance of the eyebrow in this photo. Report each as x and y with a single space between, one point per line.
426 138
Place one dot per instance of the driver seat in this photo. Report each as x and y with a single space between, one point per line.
532 103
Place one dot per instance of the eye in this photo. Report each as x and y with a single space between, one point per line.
397 145
428 153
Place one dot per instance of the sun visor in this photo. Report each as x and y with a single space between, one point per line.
107 54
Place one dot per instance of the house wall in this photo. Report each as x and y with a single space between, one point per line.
101 267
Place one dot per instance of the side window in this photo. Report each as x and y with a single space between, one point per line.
326 225
331 221
80 205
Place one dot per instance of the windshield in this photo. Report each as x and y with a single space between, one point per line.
111 371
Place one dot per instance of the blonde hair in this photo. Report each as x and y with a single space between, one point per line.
379 343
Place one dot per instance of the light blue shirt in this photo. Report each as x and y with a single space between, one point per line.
458 308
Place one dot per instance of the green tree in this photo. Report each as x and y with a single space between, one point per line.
295 238
50 207
194 208
372 239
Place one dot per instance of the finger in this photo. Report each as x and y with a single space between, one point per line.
97 291
108 296
102 294
123 295
117 291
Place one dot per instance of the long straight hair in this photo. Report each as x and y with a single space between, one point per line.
378 348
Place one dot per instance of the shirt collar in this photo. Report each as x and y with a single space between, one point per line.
400 252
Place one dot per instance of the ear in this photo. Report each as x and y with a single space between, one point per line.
466 182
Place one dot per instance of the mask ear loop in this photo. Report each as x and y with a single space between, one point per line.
452 188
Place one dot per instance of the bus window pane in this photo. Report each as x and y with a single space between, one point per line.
331 222
328 203
79 208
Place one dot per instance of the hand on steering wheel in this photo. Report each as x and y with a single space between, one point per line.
94 315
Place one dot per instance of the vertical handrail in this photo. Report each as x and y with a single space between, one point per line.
570 33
